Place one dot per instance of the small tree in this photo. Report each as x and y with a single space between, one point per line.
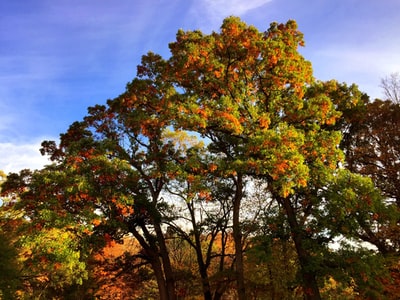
391 87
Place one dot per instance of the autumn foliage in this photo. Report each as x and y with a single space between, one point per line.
226 171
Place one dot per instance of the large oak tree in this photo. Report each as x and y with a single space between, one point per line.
256 113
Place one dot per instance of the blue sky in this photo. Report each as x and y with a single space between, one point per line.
59 57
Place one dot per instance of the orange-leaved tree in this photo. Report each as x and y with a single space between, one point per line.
243 90
252 100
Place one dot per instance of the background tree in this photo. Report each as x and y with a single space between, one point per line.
10 280
370 143
376 151
391 87
206 211
272 266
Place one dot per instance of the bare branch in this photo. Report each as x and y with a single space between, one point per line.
391 87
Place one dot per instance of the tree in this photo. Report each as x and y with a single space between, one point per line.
370 143
210 225
371 146
244 91
226 77
251 99
391 87
375 151
128 163
271 262
10 280
51 247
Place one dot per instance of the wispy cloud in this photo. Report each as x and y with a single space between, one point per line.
58 58
210 13
236 7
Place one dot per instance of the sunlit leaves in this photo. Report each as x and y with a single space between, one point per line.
53 255
355 209
250 85
226 109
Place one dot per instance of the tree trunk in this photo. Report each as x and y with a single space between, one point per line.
166 263
162 246
310 286
221 286
161 284
237 237
205 282
152 256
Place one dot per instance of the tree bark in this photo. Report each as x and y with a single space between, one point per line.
161 284
221 286
166 263
310 286
205 282
237 237
153 257
155 188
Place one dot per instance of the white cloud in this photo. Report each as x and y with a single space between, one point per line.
15 157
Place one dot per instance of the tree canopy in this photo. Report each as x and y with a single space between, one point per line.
231 149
